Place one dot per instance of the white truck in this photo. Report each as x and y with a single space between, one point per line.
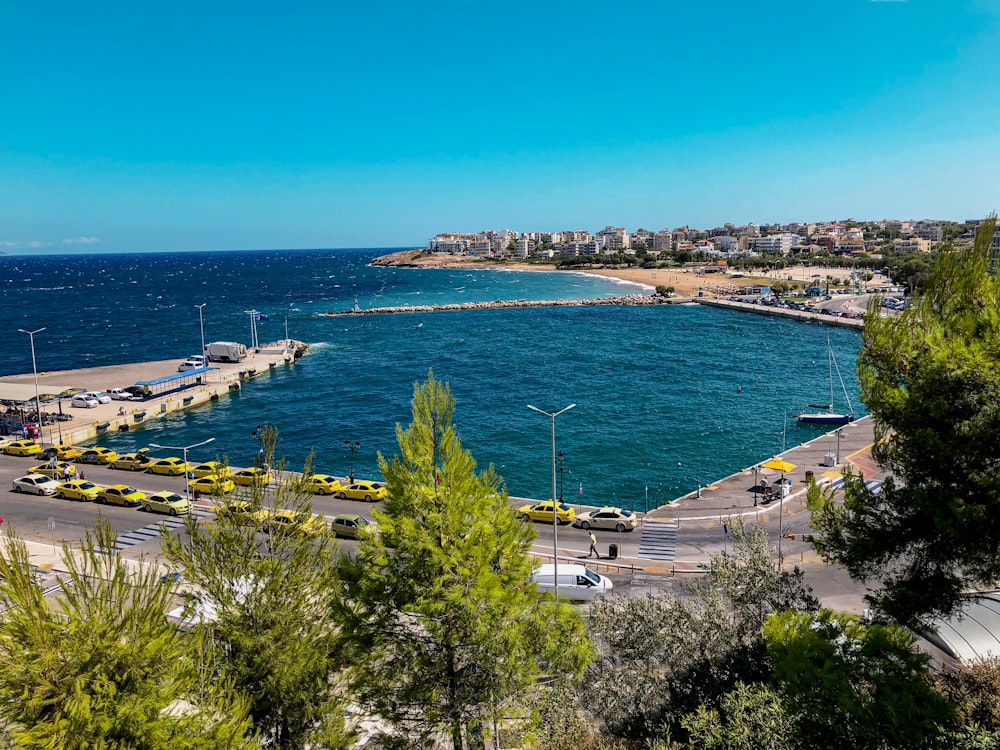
225 351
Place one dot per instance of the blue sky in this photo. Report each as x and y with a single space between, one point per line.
225 125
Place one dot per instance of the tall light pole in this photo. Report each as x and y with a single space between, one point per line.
34 371
353 447
555 504
185 449
840 432
562 461
201 323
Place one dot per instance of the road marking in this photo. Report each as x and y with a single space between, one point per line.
658 540
152 531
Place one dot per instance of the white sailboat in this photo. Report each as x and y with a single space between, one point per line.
829 416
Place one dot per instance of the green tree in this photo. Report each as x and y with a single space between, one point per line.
853 685
100 665
931 378
751 717
265 603
447 632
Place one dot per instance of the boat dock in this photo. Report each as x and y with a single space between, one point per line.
62 423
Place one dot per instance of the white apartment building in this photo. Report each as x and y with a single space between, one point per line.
613 239
776 244
663 241
929 230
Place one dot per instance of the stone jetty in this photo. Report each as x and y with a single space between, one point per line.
629 300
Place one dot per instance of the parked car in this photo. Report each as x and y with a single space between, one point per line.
542 512
23 448
35 484
59 470
84 402
172 466
78 489
295 522
190 364
615 519
350 525
98 455
121 494
212 485
120 394
100 396
62 452
167 502
244 513
369 491
212 469
137 461
322 484
252 477
137 391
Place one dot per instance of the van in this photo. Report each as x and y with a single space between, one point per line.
576 582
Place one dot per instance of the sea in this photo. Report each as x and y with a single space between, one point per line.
665 398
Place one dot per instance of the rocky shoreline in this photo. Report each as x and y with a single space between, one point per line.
630 300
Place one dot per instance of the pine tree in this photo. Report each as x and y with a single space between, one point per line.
447 632
931 378
265 602
100 665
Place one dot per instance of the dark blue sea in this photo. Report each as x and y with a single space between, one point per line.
667 397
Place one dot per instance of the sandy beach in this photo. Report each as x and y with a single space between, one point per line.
686 282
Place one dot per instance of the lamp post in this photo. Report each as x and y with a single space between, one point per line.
840 432
353 448
34 371
201 323
184 449
562 461
555 506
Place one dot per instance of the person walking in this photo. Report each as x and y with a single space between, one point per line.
593 547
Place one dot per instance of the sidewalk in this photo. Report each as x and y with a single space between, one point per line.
734 496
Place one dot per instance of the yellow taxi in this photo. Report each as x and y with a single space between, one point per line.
542 512
58 470
321 484
252 477
212 485
98 456
23 448
121 494
212 469
164 501
63 452
137 461
295 522
244 513
365 490
78 489
171 467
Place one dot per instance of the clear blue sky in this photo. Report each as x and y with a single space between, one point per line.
227 125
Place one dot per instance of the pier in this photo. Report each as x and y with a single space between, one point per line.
120 416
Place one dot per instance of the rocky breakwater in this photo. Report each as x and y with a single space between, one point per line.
629 300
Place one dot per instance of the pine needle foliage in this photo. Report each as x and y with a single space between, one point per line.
99 665
445 628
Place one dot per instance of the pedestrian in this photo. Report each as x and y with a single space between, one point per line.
725 529
593 547
52 461
67 471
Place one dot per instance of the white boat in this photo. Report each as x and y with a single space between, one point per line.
829 416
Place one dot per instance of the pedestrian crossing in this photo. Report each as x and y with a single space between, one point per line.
658 540
873 485
152 530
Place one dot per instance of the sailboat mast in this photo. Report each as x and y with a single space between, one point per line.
829 360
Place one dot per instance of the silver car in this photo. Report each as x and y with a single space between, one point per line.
615 519
35 484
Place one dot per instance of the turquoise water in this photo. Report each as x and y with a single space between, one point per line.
666 397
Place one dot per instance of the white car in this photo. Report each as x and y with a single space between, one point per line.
120 394
84 401
190 364
100 396
35 484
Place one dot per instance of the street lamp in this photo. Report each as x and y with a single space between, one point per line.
562 460
839 433
353 448
184 449
34 370
201 323
555 506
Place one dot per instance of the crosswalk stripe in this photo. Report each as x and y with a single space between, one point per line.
152 530
658 540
